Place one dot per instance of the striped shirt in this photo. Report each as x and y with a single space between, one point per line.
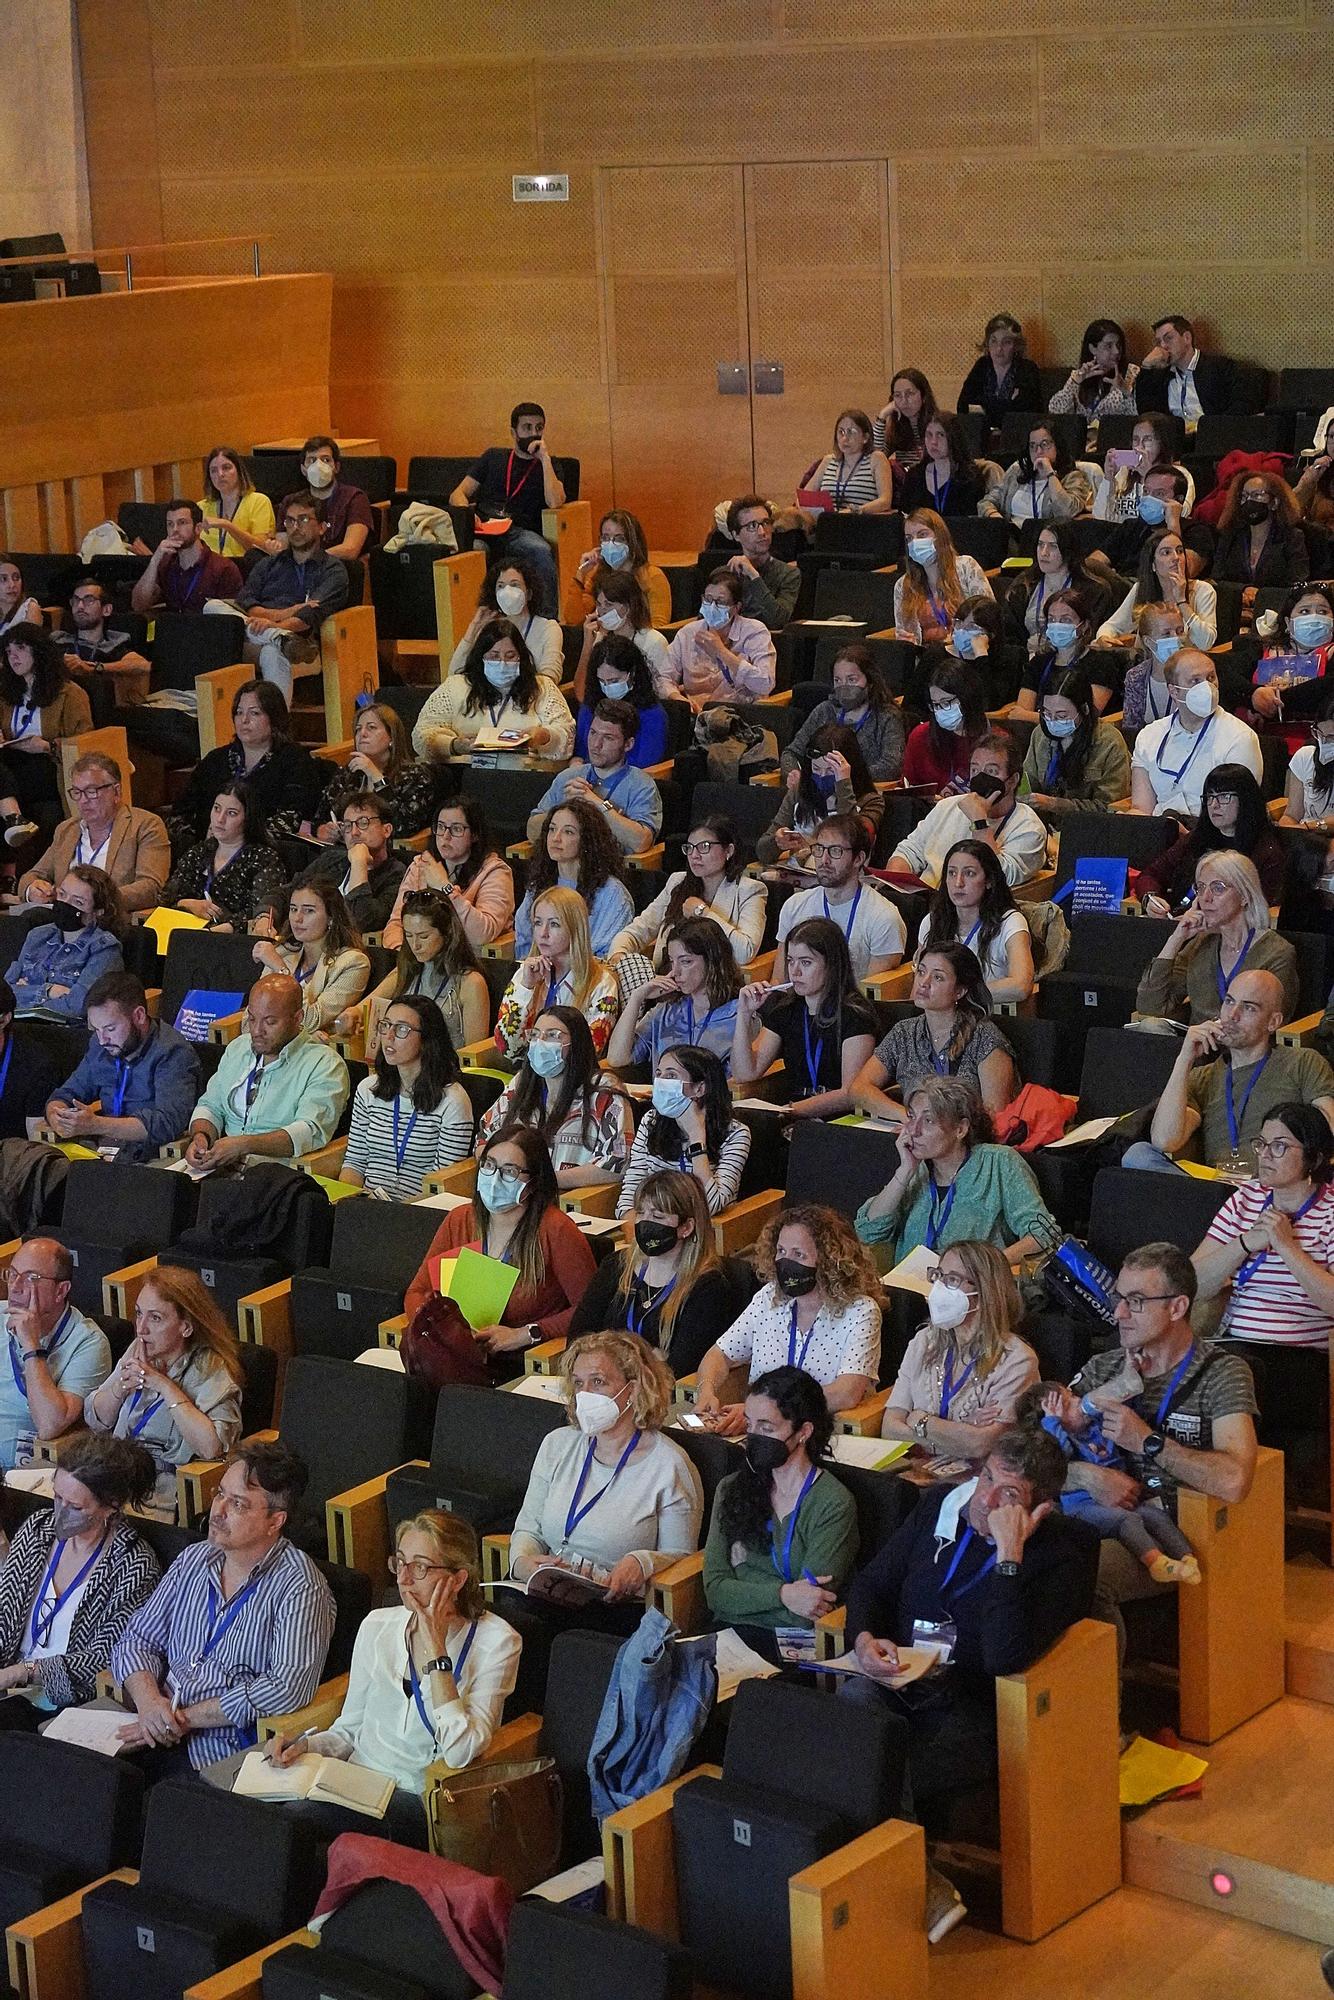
1271 1305
727 1169
428 1140
850 488
267 1661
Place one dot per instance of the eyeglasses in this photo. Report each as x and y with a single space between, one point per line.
1135 1302
398 1031
937 1275
228 1503
32 1278
509 1176
1223 799
415 1568
299 520
361 825
83 794
455 831
701 846
834 850
1275 1148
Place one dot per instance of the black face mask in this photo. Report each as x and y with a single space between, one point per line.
794 1280
1254 511
65 917
655 1238
765 1455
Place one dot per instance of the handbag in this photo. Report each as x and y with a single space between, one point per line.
1080 1285
501 1819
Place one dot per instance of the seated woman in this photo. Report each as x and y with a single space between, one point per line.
516 1217
1232 820
710 885
610 1499
1310 780
498 689
381 762
1260 541
622 550
720 656
978 636
1270 1247
690 1126
965 1370
560 1091
411 1116
830 777
561 969
512 589
618 670
1163 579
620 611
939 751
1002 378
693 1004
1075 762
73 1576
60 961
1101 383
1288 684
39 704
667 1286
460 1662
1227 928
463 862
862 703
952 1035
935 580
975 907
945 477
855 473
176 1390
1058 565
954 1185
435 963
575 850
1065 639
899 429
238 518
1160 633
1154 441
782 1538
1314 491
1043 484
818 1310
823 1030
17 605
233 875
319 946
283 777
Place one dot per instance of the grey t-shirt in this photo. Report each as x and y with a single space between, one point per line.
910 1060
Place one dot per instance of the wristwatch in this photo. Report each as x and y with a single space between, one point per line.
1007 1569
978 825
1152 1447
695 1152
919 1428
444 1665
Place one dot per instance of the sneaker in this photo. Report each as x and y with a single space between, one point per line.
944 1906
18 831
1166 1569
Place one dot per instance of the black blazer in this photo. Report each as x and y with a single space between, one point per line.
1284 559
965 489
1216 385
979 388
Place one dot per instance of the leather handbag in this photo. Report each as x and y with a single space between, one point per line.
501 1819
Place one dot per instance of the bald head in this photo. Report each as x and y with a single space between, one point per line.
1252 1011
273 1013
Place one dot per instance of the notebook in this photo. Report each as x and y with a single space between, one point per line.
326 1779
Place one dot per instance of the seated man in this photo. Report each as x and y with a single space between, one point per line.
1227 1100
840 849
91 643
1177 377
277 1091
1172 758
1161 501
769 587
286 598
345 514
630 801
142 1075
183 572
989 813
516 485
996 1561
1191 1424
237 1629
364 866
55 1355
128 842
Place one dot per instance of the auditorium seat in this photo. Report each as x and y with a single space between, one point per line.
116 1213
336 1305
67 1816
878 535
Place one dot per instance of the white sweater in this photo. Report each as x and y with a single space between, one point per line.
652 1510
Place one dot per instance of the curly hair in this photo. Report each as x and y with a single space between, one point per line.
600 857
117 1472
109 912
527 571
623 657
1286 511
745 1503
641 1365
845 1267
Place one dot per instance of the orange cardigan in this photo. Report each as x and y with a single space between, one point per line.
569 1261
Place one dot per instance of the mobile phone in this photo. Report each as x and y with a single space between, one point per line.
1128 459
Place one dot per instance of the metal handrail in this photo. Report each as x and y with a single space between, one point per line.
128 251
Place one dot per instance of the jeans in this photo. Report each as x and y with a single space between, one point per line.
539 552
1149 1159
276 654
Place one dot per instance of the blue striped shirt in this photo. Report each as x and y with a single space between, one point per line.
268 1660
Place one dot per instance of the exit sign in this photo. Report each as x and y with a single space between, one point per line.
541 187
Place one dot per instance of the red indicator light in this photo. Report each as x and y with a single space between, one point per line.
1221 1884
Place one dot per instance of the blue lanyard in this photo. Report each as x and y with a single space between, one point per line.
427 1723
855 727
950 1388
1053 769
401 1152
1170 1391
795 1360
940 611
785 1570
973 1581
690 1025
636 1315
303 974
45 1352
1252 1264
1234 1124
852 916
596 782
252 1086
42 1623
812 1061
148 1414
1033 483
968 941
1177 776
842 483
552 990
220 1621
8 1059
940 1213
940 494
576 1513
122 1085
496 709
1224 982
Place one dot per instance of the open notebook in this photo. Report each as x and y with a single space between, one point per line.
323 1778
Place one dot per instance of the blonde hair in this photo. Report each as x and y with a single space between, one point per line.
642 1366
585 970
186 1292
1238 872
455 1542
916 596
997 1310
844 1266
680 1195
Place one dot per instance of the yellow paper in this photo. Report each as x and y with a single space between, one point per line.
1198 1170
336 1190
1148 1770
163 921
479 1286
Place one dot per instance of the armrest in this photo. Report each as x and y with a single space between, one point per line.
659 771
120 1288
597 1198
863 1419
678 1592
46 1949
896 984
393 1330
478 1055
461 1178
499 947
265 1317
1038 890
196 1483
326 1160
640 1864
245 1979
760 968
519 850
1301 1033
651 861
495 1558
357 1525
831 1633
739 1226
352 1048
226 1028
1231 1625
783 700
544 1359
864 1904
335 753
324 1705
153 998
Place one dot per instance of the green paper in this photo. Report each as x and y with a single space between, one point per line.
480 1287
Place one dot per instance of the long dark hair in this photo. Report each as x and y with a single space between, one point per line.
546 1110
832 736
1065 536
745 1508
942 932
341 933
480 691
1252 818
899 432
482 843
622 586
663 1136
965 684
723 830
48 666
254 826
703 938
456 953
600 857
525 567
439 1063
1072 756
1061 461
623 654
543 1194
271 699
973 1004
1087 393
829 942
859 656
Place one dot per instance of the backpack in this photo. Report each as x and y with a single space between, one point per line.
439 1347
1050 933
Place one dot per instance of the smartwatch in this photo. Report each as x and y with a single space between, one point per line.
1152 1447
444 1665
919 1428
1007 1569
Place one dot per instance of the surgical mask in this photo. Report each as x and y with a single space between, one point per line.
65 917
1166 648
765 1454
850 698
613 553
615 690
947 1305
1152 510
715 616
1254 511
497 1195
611 618
510 599
655 1239
823 783
964 642
669 1097
546 1058
1202 699
1312 628
950 717
922 548
319 475
594 1412
1060 633
67 1520
1324 749
1060 727
795 1280
500 673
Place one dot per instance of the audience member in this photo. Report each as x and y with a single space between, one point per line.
345 514
823 1031
1232 819
769 587
17 606
936 579
609 782
137 1084
1124 486
285 599
862 703
1176 375
56 1354
945 479
462 862
560 1091
512 588
620 611
869 922
710 885
1064 645
690 1126
233 875
238 518
1163 579
39 704
1260 541
283 777
277 1091
1043 484
855 473
1172 758
1288 679
1227 928
183 571
1102 382
900 427
435 963
1270 1249
693 1003
1310 775
129 843
362 865
992 814
939 750
320 948
1002 378
619 672
1314 491
720 656
1165 495
25 1085
1074 762
500 691
965 1370
1160 633
622 550
667 1285
975 907
952 1035
561 967
59 963
509 491
92 645
575 848
1058 565
381 762
411 1116
831 780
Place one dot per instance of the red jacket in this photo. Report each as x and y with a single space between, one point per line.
472 1910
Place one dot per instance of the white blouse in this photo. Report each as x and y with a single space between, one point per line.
844 1340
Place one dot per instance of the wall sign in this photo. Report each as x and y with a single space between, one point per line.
541 187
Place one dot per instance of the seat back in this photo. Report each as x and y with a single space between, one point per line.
1034 1043
236 1857
883 1502
845 1757
1225 431
712 1457
259 1383
866 594
1304 389
1131 1208
184 647
1124 1069
839 1164
349 1423
553 1949
434 478
403 593
387 1928
878 535
142 520
353 1596
76 1806
749 807
483 1437
981 536
110 1202
380 1243
376 475
577 1676
1129 836
208 960
507 797
1114 946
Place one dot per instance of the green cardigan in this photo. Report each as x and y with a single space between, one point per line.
1190 980
997 1200
1106 773
825 1543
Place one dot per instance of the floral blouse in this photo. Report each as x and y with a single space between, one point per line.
244 887
522 1004
610 1131
409 800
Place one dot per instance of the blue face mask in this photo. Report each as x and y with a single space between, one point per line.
669 1097
715 616
1061 727
500 674
823 783
613 553
963 642
1152 510
922 549
615 690
949 716
1312 628
1060 634
1166 648
546 1058
496 1195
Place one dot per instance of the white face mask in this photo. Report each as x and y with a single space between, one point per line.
1202 699
510 599
947 1305
1324 750
615 690
319 475
594 1412
611 618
